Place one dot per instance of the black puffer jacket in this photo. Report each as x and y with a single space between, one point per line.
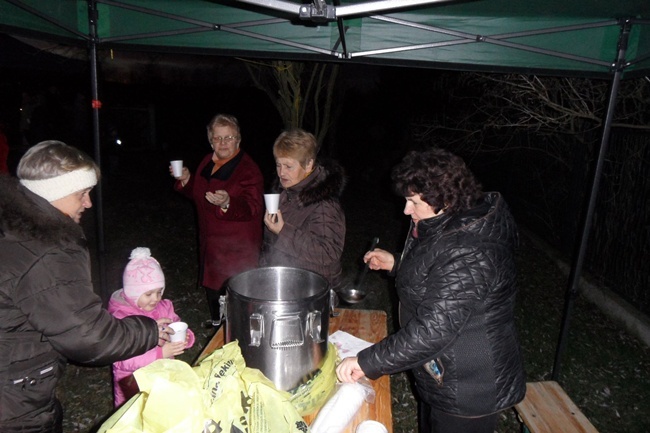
456 285
314 225
48 310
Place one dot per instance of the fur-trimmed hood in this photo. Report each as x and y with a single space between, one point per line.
30 217
326 182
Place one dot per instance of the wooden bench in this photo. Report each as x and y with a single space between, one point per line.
548 409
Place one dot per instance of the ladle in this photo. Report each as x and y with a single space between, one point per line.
357 294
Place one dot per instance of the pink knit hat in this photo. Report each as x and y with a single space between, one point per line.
142 273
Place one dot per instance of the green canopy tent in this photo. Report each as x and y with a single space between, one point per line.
555 36
589 38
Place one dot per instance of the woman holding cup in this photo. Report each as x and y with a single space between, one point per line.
456 283
50 313
226 189
308 229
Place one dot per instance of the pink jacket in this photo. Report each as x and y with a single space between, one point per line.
124 386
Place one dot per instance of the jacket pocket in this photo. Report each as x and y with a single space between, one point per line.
436 370
31 388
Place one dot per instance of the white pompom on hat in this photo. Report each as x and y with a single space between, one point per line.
142 273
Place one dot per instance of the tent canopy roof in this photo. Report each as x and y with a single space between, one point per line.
559 37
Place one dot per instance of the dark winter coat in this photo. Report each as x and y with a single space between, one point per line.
313 234
229 241
48 310
456 285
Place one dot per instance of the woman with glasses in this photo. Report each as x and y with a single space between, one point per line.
308 232
227 189
455 280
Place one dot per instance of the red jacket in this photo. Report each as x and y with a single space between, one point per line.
229 241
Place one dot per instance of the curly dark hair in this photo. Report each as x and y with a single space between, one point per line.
440 177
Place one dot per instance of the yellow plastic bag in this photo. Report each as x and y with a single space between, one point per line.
272 412
221 394
168 402
311 396
127 419
171 407
224 391
173 401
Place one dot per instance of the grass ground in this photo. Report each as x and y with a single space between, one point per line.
605 370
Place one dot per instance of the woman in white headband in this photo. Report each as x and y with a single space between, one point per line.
49 312
61 174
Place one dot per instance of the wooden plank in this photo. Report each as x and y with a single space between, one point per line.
369 325
548 409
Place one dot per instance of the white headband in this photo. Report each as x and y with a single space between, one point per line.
58 187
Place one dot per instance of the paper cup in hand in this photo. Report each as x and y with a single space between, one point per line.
272 202
177 167
371 426
180 331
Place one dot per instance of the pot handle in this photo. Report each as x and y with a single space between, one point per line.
256 322
314 326
334 302
222 311
287 332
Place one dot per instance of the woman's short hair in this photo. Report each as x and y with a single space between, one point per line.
52 158
297 144
223 120
440 177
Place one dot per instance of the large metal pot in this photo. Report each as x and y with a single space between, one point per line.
280 317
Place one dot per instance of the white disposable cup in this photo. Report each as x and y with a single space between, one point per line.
180 331
177 167
371 426
272 202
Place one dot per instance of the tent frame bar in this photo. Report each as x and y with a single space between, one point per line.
93 17
319 11
573 287
468 38
463 38
340 50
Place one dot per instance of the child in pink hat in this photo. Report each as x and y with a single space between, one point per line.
143 286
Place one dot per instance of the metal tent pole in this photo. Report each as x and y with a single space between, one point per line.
96 105
576 268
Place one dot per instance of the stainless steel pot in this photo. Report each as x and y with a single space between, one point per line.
280 317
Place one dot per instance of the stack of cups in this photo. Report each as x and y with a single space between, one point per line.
340 409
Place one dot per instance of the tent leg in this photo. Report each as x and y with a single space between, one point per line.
99 199
576 268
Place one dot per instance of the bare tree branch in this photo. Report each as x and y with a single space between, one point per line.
301 92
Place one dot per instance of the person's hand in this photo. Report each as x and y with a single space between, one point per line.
164 330
349 371
274 222
218 198
170 349
379 259
184 177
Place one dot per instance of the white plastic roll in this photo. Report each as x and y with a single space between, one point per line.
371 426
339 410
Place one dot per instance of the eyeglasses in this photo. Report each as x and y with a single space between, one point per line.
227 139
